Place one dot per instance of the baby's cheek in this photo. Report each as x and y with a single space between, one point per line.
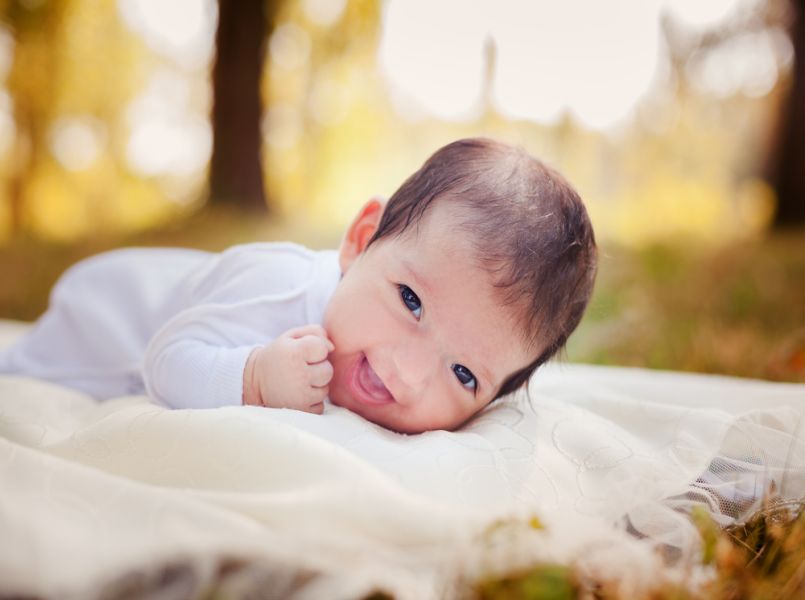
339 392
337 362
437 412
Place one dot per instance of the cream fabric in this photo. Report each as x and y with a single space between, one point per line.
104 498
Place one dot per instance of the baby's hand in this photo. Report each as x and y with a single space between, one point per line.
290 372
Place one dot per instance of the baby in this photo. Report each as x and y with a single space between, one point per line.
446 297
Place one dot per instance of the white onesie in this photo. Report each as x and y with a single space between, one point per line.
176 323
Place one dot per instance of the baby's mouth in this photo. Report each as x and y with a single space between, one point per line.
368 386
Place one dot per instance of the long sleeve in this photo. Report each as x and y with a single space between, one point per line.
192 363
244 300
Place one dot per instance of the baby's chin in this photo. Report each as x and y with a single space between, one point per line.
372 414
386 416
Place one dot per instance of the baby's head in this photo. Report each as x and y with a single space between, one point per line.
472 275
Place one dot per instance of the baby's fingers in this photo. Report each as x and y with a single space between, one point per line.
306 330
314 400
320 374
314 349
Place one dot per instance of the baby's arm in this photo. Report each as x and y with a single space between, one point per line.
210 356
197 360
241 303
290 372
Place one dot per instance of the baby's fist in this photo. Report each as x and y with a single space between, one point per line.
290 372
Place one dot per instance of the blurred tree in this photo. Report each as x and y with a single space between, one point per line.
67 172
236 176
32 82
789 158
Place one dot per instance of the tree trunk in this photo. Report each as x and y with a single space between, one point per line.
236 176
789 176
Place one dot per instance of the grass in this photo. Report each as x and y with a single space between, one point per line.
763 559
545 582
736 309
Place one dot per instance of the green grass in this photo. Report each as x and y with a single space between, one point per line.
736 309
763 559
543 582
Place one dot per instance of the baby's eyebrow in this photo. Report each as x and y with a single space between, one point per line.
419 280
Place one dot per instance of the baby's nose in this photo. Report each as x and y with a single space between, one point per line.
415 362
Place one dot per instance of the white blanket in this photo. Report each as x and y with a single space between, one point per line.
102 499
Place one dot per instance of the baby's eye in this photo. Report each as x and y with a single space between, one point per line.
465 376
411 300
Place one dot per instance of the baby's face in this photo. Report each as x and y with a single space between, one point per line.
422 340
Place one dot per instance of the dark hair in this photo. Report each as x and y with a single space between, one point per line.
528 225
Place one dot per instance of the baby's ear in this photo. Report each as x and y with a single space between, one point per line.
360 231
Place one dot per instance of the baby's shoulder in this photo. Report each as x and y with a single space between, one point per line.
268 251
277 259
258 269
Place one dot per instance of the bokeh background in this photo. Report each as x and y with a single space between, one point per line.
204 124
